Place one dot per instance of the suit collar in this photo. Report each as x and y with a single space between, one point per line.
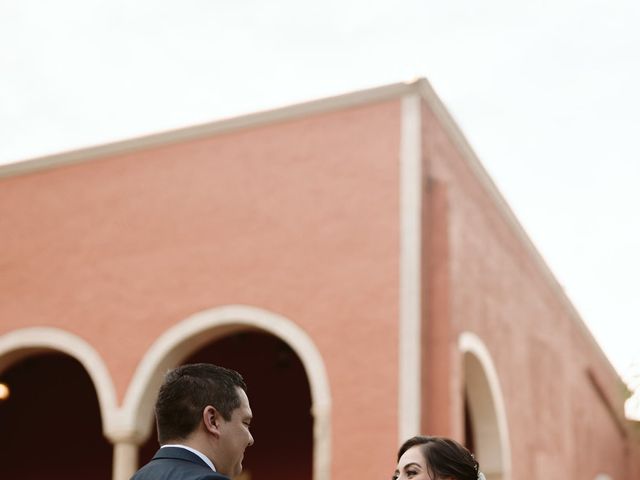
178 453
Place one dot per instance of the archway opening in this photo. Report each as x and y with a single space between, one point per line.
280 399
469 435
481 421
50 422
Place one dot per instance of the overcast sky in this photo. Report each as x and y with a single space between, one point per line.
545 91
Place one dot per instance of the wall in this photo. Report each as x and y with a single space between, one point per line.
499 290
298 218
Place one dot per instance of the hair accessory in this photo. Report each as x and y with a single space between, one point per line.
481 476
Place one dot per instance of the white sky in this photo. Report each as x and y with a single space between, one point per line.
545 91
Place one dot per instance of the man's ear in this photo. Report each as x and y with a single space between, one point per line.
211 419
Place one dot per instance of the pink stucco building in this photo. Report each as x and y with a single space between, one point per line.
350 256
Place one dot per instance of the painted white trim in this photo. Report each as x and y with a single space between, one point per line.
603 476
198 330
409 389
24 342
291 112
470 343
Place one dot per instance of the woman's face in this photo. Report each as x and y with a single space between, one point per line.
412 465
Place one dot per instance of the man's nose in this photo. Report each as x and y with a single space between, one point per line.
250 440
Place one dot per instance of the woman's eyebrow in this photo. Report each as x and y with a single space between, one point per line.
412 464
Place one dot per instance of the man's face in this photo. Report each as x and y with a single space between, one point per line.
235 437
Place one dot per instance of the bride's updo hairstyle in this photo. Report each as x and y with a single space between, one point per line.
444 458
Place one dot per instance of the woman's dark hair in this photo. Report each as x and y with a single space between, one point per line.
185 393
445 458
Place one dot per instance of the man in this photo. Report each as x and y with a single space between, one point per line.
203 418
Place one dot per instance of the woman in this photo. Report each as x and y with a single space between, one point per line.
435 458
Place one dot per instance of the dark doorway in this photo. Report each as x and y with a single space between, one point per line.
280 399
469 440
50 424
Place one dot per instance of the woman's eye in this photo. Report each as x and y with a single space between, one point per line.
411 473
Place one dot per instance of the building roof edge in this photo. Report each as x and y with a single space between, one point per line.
454 132
280 114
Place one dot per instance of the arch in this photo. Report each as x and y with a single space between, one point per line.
203 327
487 407
25 342
56 383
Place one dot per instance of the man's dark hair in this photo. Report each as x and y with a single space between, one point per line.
445 458
187 390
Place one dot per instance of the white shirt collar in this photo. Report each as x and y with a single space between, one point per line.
204 458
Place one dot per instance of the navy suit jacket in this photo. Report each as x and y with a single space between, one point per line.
172 463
